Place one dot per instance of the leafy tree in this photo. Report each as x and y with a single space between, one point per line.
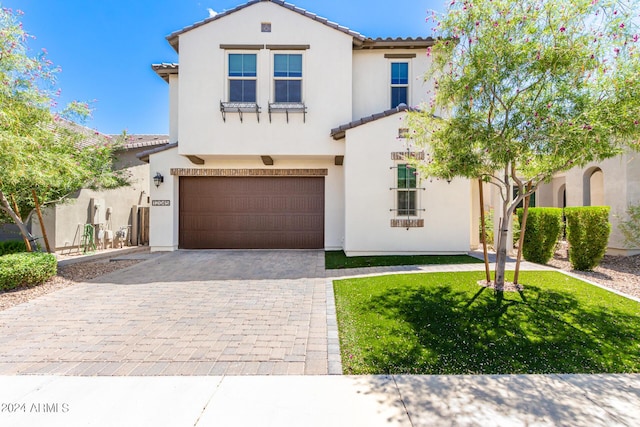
630 227
526 89
39 149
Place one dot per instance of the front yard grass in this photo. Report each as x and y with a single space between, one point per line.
337 260
445 323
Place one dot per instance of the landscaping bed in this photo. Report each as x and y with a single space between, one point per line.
444 323
616 272
67 276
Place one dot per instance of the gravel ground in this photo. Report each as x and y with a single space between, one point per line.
67 275
615 272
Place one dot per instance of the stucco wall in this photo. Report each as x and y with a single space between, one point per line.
621 179
327 89
550 193
174 91
369 177
372 79
63 219
164 219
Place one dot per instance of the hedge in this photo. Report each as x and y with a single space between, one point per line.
588 231
12 247
26 269
542 233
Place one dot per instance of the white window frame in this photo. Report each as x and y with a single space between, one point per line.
417 209
273 78
390 77
229 78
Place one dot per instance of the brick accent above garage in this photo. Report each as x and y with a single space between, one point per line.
248 172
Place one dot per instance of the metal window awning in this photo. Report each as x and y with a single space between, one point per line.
240 108
288 107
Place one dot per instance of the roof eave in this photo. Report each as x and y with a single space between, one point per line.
164 70
144 156
397 43
341 131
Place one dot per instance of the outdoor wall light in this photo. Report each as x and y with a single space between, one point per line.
158 179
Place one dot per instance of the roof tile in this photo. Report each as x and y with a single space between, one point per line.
338 133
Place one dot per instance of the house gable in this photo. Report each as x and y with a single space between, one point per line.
174 38
212 123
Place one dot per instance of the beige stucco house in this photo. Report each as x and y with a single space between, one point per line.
287 131
614 182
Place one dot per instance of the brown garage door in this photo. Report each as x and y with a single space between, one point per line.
251 213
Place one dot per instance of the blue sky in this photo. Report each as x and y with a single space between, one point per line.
105 47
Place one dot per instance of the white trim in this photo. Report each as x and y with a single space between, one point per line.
228 78
407 61
273 78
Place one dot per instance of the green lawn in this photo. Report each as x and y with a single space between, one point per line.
337 259
444 323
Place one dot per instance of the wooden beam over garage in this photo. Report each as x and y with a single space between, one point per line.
196 160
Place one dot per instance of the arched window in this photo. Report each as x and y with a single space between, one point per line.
562 197
593 187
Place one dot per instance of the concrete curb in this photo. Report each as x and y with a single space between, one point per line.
102 255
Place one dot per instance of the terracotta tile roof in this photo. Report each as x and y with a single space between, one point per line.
339 132
173 37
90 137
144 156
395 43
165 69
140 141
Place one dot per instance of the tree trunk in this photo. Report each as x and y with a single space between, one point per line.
484 233
44 231
501 251
27 244
523 228
7 208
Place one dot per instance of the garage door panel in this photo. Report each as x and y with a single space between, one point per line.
246 213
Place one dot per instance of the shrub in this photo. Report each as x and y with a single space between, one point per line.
26 269
488 225
588 231
12 247
630 228
542 232
515 221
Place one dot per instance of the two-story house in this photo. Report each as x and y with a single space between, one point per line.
287 131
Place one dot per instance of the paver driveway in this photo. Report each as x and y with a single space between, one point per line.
183 313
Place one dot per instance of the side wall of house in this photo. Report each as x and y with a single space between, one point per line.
370 199
174 120
620 188
372 79
64 222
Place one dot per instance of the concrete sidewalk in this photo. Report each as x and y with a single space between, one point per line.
519 400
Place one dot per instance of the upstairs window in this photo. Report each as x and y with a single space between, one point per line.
287 75
407 191
399 83
242 77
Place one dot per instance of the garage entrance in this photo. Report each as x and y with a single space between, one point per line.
251 212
